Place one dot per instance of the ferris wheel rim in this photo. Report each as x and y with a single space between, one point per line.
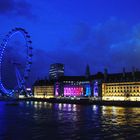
29 55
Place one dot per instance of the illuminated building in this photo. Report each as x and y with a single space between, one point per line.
73 86
43 89
56 89
73 90
101 86
122 87
96 89
97 80
121 91
56 71
87 90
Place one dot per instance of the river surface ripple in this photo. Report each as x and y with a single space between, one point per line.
32 120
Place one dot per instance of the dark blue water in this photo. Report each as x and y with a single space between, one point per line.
46 121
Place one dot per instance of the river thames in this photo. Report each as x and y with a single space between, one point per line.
46 121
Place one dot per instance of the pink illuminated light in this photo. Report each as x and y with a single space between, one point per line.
73 91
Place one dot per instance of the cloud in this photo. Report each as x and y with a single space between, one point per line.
16 8
126 53
111 44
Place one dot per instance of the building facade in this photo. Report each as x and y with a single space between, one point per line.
78 86
101 86
73 86
43 89
56 71
122 91
122 87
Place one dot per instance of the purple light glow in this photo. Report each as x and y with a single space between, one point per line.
96 89
73 91
56 90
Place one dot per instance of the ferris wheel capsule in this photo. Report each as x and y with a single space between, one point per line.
27 36
30 47
30 41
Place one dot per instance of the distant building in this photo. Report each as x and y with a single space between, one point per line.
56 71
122 86
73 86
122 91
97 81
43 89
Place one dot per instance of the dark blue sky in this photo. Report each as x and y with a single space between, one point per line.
101 33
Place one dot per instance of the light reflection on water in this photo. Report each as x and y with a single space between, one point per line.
42 120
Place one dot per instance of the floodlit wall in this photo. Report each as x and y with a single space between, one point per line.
123 91
73 90
44 91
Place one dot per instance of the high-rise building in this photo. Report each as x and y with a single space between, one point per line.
56 71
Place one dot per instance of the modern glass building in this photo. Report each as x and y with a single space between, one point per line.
56 71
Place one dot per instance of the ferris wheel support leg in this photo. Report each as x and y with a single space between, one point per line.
18 76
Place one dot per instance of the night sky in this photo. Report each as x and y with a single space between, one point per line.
101 33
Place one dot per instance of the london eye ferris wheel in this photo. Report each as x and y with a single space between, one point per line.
20 72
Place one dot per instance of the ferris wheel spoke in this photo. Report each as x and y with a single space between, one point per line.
18 76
